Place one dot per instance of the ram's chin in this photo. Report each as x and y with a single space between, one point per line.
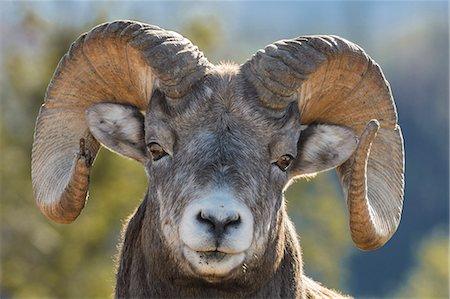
213 266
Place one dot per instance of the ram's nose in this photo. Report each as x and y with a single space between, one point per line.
217 222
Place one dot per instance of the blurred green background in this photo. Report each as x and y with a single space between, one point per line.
410 40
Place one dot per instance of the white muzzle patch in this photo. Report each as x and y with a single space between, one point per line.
216 231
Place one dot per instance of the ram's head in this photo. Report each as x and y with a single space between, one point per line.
220 143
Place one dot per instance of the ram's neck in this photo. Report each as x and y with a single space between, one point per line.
131 262
286 282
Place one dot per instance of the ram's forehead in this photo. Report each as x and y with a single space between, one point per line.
224 102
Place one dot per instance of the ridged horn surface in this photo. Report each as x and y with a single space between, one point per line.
334 81
117 62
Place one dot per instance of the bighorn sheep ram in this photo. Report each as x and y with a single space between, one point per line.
219 143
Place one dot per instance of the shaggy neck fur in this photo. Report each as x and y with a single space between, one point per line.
145 270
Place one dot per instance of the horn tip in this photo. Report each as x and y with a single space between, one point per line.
373 124
369 245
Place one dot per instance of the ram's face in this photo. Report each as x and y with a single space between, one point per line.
218 167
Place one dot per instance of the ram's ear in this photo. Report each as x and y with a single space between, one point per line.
119 128
322 147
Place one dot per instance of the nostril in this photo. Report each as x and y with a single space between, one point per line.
234 220
205 218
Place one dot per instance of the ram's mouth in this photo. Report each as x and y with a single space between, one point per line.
212 256
213 266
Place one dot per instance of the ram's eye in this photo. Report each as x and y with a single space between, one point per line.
156 151
284 162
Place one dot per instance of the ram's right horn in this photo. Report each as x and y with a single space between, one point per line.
335 82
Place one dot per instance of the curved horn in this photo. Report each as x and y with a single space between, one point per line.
120 62
334 81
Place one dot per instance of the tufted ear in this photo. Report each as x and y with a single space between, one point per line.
119 128
322 147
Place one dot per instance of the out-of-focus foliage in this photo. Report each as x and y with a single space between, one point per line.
430 275
206 33
410 41
326 248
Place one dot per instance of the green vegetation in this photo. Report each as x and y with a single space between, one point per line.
317 204
429 276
